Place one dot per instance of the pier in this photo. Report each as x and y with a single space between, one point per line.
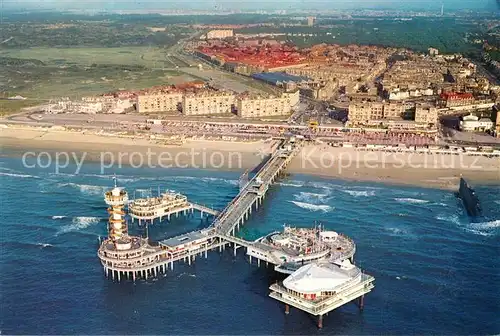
165 205
291 252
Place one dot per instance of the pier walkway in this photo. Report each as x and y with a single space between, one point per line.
203 209
240 208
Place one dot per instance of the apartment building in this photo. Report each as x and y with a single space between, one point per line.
364 112
207 102
159 102
255 107
426 114
219 34
373 112
453 99
394 110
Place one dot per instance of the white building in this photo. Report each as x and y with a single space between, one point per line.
471 123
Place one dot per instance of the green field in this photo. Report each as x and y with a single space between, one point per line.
41 74
150 57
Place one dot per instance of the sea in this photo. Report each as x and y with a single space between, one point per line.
436 270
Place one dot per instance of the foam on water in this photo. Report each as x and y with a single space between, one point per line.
58 217
19 175
411 200
86 188
359 193
313 207
294 184
449 218
485 228
43 245
78 223
397 231
309 197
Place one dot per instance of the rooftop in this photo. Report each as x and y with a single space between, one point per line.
184 239
318 277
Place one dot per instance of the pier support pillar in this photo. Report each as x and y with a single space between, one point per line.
235 249
156 271
361 302
320 321
133 276
258 262
189 259
172 265
205 253
287 309
250 259
119 276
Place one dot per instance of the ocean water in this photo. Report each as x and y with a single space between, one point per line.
436 272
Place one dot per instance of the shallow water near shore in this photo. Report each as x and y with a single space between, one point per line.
436 271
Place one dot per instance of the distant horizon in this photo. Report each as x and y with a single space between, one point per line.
246 5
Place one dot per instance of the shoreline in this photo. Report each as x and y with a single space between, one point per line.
420 170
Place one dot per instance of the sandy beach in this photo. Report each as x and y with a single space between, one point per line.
419 169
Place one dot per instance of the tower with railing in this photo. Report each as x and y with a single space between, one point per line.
116 199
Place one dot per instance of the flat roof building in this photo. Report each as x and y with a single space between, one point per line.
159 102
256 106
208 102
219 34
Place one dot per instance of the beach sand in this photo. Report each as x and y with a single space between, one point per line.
427 170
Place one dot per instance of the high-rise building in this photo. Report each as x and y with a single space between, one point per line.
310 21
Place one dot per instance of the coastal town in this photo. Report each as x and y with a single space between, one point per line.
255 168
354 95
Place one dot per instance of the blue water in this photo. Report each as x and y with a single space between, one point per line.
435 271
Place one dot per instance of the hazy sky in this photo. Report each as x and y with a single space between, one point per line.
250 4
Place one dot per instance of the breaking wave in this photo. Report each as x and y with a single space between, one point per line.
397 231
449 218
360 193
42 245
309 197
58 217
313 207
19 175
484 228
411 200
86 188
78 223
186 274
296 184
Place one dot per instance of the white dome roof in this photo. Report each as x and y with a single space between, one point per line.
314 278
